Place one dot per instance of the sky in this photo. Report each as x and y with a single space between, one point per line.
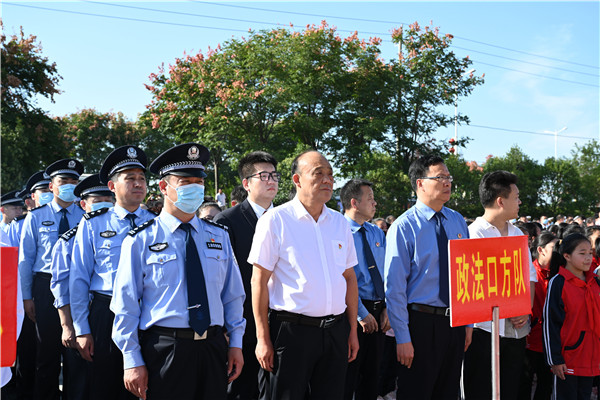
540 59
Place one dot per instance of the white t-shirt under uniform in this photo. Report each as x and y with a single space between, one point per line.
307 259
480 228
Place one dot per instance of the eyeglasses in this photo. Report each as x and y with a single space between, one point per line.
439 178
264 176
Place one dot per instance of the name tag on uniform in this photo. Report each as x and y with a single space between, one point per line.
158 246
48 223
214 245
108 234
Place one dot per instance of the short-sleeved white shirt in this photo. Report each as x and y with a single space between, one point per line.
307 259
481 228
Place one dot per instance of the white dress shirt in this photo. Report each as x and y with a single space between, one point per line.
258 210
481 228
307 259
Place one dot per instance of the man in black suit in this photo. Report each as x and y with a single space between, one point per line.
258 172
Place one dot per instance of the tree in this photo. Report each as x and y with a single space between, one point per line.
586 159
30 138
465 187
530 175
561 187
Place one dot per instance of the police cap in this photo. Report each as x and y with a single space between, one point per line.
91 186
186 159
66 168
39 180
121 159
11 199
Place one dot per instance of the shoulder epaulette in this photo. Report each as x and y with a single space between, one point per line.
141 227
68 235
224 227
38 208
20 217
93 214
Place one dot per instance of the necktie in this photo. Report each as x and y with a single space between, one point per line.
442 241
373 270
199 313
131 218
63 226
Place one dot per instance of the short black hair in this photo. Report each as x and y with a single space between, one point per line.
246 165
297 160
419 167
239 194
495 184
352 190
209 204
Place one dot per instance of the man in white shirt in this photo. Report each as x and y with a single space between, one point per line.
221 199
499 196
304 291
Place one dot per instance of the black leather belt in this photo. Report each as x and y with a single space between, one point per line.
43 275
429 309
373 306
319 322
186 333
102 297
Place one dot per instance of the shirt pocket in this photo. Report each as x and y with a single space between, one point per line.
48 235
339 252
164 269
216 265
106 251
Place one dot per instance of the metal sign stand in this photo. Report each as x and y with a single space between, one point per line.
495 354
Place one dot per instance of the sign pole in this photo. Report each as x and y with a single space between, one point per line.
495 354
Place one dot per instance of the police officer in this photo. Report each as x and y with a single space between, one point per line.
11 206
96 252
359 207
37 188
184 272
93 196
41 230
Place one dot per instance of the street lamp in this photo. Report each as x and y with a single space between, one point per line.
469 72
556 139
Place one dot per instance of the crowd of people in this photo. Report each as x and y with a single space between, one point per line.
181 297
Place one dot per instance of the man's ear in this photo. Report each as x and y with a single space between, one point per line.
296 179
111 185
162 185
353 203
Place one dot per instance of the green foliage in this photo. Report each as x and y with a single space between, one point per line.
465 187
30 139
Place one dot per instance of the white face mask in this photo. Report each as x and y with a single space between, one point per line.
189 197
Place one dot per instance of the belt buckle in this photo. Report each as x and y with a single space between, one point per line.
447 313
326 322
200 337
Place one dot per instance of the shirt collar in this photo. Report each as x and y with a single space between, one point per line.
173 222
354 226
302 212
486 225
122 213
258 210
56 208
427 211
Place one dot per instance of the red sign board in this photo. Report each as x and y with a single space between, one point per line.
8 302
487 273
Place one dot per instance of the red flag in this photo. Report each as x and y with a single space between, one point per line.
8 305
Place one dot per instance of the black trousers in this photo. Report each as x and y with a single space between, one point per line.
107 368
362 376
245 387
185 369
573 387
49 348
25 363
535 364
388 372
309 362
478 371
439 350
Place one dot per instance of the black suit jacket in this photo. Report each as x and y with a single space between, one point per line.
241 221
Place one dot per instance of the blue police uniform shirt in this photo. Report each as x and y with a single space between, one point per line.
40 233
14 232
376 239
151 269
412 262
96 253
4 227
61 265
